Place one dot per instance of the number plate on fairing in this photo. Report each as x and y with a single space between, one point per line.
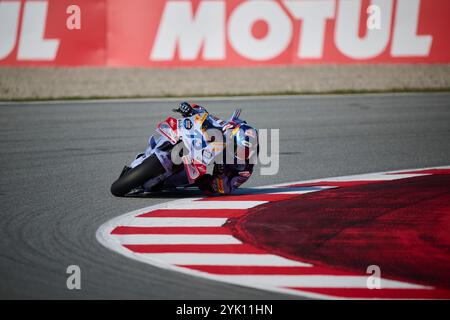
196 140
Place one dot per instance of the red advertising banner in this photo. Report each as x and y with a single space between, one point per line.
173 33
41 33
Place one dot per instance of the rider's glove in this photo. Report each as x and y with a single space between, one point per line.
186 109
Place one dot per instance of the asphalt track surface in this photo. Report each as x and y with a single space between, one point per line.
58 160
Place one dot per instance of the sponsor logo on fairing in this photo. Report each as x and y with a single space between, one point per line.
187 124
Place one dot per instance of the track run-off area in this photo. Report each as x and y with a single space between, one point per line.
59 159
256 237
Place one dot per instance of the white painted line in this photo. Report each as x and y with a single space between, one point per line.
321 188
172 222
175 239
214 98
318 281
383 176
376 177
226 259
214 205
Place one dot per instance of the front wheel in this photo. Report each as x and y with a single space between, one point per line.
133 178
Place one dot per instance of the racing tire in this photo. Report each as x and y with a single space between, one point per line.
133 178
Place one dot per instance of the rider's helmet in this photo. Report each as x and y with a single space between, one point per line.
245 140
185 109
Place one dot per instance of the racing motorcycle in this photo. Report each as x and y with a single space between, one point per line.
178 156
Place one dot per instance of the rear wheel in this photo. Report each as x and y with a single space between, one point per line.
133 178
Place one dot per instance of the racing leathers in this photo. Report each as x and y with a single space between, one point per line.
225 178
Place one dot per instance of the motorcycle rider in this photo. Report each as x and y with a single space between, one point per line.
242 141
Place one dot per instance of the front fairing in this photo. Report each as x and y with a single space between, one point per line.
195 133
202 135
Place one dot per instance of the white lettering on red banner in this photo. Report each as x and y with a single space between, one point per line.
223 33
